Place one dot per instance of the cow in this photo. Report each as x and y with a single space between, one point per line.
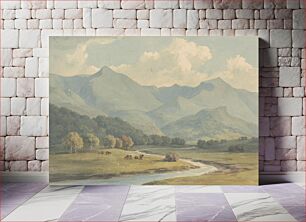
141 156
136 157
108 153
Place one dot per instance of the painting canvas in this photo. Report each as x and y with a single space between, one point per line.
154 110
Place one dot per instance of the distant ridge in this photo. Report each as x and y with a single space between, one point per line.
149 108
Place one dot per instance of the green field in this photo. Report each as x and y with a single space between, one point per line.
91 165
234 168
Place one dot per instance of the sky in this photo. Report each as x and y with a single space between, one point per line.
160 61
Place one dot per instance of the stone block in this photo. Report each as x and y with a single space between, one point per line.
160 18
285 154
298 125
31 67
214 14
290 106
18 106
179 18
298 19
13 71
298 92
41 87
227 4
66 4
19 148
166 4
42 142
8 87
203 4
192 19
240 24
3 126
34 126
285 142
33 106
288 165
280 126
245 14
45 165
34 165
18 166
109 4
289 76
270 57
133 4
269 148
124 14
301 166
252 4
73 13
102 18
5 106
9 38
25 87
229 14
125 23
301 148
143 14
29 38
44 107
42 154
13 125
298 38
87 4
280 38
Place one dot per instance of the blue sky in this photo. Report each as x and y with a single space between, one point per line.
160 61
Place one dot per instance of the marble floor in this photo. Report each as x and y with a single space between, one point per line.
40 202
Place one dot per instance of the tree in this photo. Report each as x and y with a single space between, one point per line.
118 143
73 141
127 141
171 157
92 140
109 141
177 141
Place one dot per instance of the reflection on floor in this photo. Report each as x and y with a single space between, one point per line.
40 202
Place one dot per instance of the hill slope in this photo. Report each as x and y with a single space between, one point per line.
208 124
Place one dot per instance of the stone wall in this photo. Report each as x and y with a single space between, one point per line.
26 26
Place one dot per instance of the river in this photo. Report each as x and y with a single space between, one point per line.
139 179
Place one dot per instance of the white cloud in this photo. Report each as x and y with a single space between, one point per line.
75 62
176 64
240 74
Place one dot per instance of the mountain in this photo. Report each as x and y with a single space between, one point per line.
210 123
149 108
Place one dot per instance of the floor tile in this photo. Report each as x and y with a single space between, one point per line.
290 199
257 207
242 189
282 188
203 207
198 189
22 187
47 205
298 212
149 203
97 203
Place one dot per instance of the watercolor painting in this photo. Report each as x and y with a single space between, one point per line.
154 110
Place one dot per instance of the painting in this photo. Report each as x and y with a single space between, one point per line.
154 110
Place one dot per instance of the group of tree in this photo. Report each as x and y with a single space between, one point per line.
171 157
76 143
103 130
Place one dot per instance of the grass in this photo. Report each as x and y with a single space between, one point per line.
94 165
235 168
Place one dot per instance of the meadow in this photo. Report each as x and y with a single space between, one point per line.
89 165
234 168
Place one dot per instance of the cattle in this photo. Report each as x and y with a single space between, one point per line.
128 157
141 156
108 153
136 158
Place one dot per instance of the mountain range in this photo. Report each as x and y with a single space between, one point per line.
212 110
